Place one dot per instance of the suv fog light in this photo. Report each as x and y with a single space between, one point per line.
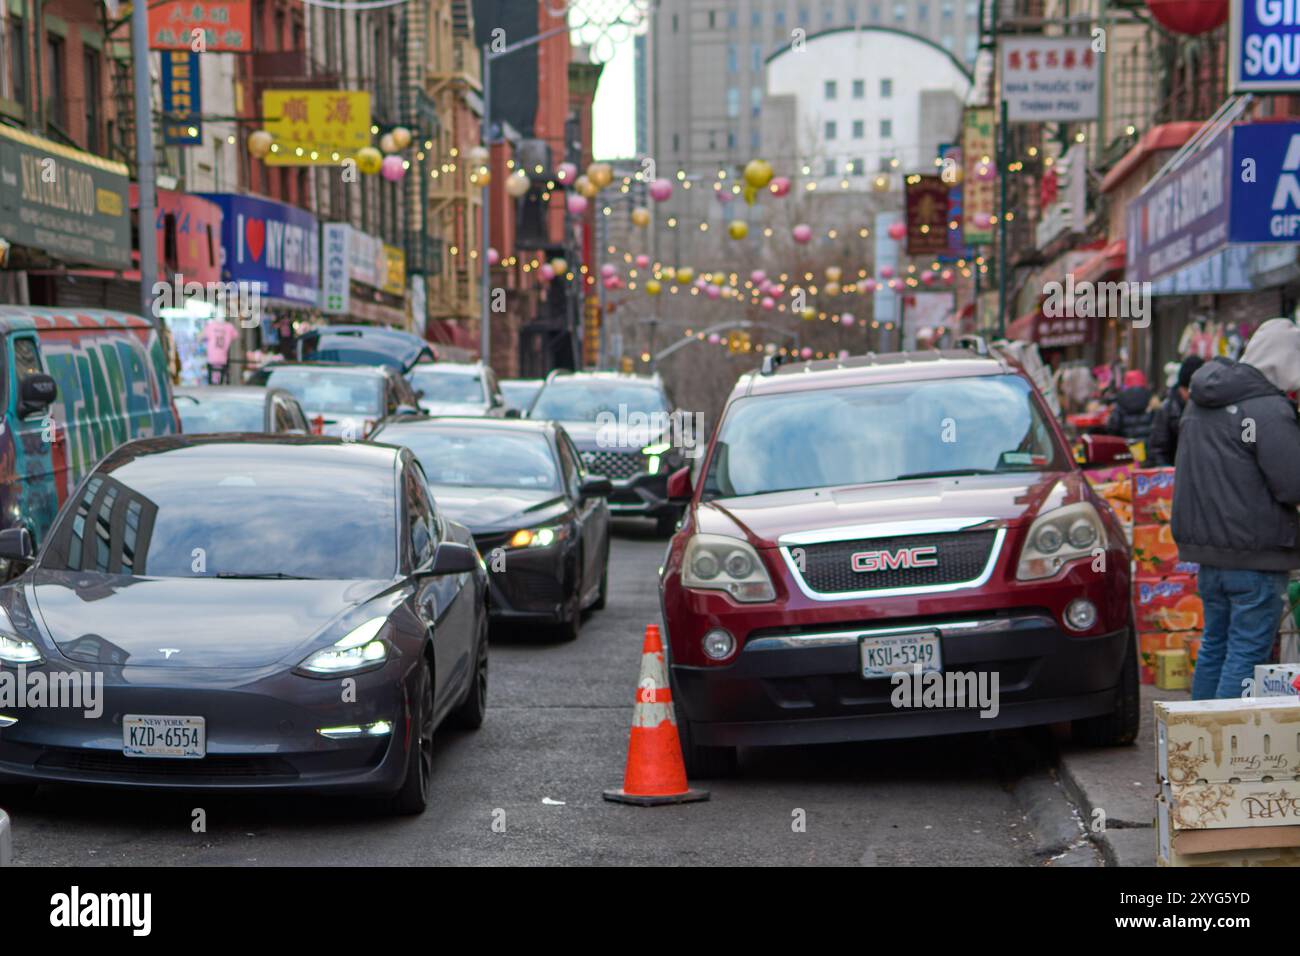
718 644
1081 614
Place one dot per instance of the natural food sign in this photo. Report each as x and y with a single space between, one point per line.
223 26
65 203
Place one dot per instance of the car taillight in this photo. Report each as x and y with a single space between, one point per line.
318 425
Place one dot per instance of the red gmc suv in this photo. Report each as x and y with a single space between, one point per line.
873 545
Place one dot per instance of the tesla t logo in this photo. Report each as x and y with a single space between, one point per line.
167 652
865 562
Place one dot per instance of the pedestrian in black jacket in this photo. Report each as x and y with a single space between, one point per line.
1132 415
1162 449
1235 496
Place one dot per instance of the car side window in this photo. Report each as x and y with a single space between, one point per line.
27 358
283 418
570 466
419 517
297 416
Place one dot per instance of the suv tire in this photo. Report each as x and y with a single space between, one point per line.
1120 727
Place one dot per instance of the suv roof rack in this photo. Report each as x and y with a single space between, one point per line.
771 363
974 343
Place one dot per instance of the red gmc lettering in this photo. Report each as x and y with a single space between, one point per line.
868 561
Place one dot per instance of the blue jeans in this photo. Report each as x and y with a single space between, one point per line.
1242 612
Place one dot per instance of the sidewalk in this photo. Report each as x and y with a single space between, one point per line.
1121 782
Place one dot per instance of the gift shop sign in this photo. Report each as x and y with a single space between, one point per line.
1264 46
272 244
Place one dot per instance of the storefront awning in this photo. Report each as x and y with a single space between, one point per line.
1107 263
1022 329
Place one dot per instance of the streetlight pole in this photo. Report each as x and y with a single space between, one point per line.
144 157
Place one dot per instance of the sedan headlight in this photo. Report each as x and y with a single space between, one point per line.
714 562
538 537
359 649
15 649
1058 537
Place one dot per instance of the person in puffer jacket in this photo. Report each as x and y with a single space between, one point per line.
1236 489
1133 414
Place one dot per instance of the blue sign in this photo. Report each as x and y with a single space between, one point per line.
1266 183
272 244
182 99
1264 46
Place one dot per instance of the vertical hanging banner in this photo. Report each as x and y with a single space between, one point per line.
226 25
927 216
182 103
978 151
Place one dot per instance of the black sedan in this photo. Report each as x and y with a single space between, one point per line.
540 521
263 613
208 409
342 400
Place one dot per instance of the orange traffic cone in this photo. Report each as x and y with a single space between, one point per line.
655 771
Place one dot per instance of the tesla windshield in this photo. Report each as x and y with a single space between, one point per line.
487 458
448 386
876 433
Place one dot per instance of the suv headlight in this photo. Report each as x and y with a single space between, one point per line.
1058 537
714 562
15 649
359 649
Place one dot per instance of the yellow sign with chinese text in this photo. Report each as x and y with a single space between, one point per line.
315 127
394 270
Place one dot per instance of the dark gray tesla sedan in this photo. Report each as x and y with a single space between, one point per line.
258 612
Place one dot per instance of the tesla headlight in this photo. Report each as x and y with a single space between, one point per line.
359 648
714 562
15 649
538 537
1058 537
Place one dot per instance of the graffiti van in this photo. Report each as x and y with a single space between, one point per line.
76 384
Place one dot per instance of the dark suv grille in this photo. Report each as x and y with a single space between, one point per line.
616 465
962 556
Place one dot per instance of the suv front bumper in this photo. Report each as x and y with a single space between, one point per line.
804 686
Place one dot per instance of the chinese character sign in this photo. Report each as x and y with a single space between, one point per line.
226 25
927 216
978 149
315 127
1050 79
181 99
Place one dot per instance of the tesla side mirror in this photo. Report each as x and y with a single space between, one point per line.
596 486
1100 451
36 392
679 485
16 544
454 558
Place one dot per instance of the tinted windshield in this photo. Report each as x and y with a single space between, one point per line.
213 510
219 414
582 401
492 459
519 394
872 433
325 390
448 386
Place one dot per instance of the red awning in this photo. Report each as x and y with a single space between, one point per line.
1022 329
1110 261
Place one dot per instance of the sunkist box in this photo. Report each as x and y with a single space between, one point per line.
1277 680
1167 604
1253 740
1153 495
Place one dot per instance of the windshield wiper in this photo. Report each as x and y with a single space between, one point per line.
954 473
264 576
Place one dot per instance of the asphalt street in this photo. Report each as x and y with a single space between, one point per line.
526 788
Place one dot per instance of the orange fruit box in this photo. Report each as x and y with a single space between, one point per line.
1167 604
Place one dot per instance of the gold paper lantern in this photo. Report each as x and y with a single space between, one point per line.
600 174
517 185
834 273
652 287
738 229
369 160
560 265
585 187
401 136
259 143
832 288
685 275
758 173
387 143
478 156
640 217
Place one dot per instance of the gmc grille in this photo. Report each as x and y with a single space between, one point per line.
960 556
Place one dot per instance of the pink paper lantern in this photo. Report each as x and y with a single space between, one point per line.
870 285
946 275
768 303
643 262
780 186
493 256
844 353
608 270
660 190
757 276
712 291
546 272
983 220
392 168
567 173
714 338
576 203
723 196
806 352
847 319
898 232
887 272
895 284
802 233
927 277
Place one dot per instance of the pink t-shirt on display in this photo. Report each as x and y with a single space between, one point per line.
219 336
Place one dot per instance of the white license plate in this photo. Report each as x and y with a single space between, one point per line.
882 656
182 738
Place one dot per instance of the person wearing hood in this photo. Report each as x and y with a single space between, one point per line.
1162 449
1132 416
1236 489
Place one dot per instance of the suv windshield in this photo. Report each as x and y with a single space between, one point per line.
579 400
325 390
209 511
448 386
876 433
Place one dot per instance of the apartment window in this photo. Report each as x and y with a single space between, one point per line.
91 77
733 59
780 18
733 102
755 100
674 23
857 167
859 89
900 13
56 80
948 10
731 139
830 129
732 20
17 48
828 169
713 19
677 143
756 18
828 16
949 41
850 12
875 13
972 46
922 12
831 88
886 129
803 16
756 57
859 129
886 89
754 142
